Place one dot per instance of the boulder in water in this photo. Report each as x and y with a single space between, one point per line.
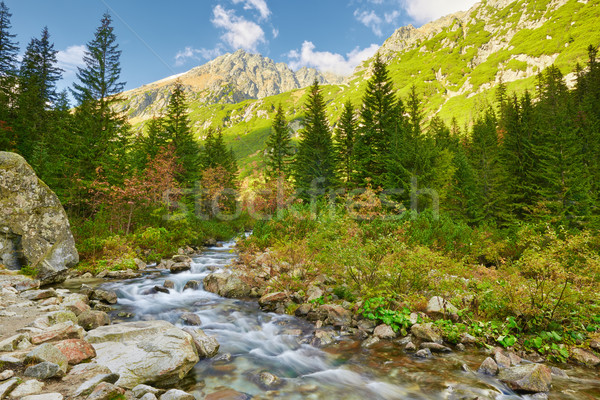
150 352
34 227
207 346
530 378
227 285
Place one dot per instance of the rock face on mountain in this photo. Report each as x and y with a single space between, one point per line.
228 79
34 229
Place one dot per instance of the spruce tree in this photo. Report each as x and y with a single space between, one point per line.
279 147
105 133
315 160
177 126
344 141
8 74
37 92
379 118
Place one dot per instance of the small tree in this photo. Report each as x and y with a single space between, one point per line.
344 141
279 146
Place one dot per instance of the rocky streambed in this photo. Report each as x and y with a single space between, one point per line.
162 335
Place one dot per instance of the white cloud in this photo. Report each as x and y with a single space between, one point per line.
258 5
370 19
390 17
275 33
326 61
189 53
71 58
240 33
428 10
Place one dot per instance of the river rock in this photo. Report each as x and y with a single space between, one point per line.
89 385
426 332
370 342
180 267
313 293
207 346
11 343
107 296
439 305
65 330
149 396
169 284
6 374
424 353
176 394
502 360
92 319
303 310
227 285
228 394
181 258
61 316
34 226
488 367
40 294
384 331
268 381
44 370
410 347
141 390
336 315
26 284
192 284
106 391
531 378
151 352
47 352
584 357
45 396
323 338
8 386
76 350
271 301
27 388
191 319
435 347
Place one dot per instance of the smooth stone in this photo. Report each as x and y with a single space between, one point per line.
439 305
107 296
47 352
370 342
426 332
584 357
207 346
44 370
92 319
105 391
169 284
27 388
424 353
531 378
435 347
194 285
76 350
191 319
488 367
88 386
384 331
176 394
8 386
6 374
141 390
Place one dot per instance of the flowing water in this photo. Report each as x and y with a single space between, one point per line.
253 341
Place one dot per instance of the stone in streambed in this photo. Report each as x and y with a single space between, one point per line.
435 347
106 391
88 386
271 301
141 390
424 353
227 285
488 367
530 378
192 284
44 370
384 331
47 352
92 319
207 346
176 394
191 319
76 350
169 284
584 357
426 332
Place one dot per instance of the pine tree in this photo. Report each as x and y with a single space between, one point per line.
379 118
105 133
344 141
315 160
279 147
37 92
8 48
177 125
8 75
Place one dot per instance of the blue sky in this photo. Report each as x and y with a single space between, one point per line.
160 38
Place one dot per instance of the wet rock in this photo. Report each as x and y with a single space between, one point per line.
439 305
227 285
323 338
161 289
176 394
558 372
92 319
270 301
126 274
194 285
584 357
65 330
303 310
139 264
36 229
27 388
435 347
410 347
8 386
488 367
502 360
424 353
426 332
105 391
150 352
88 386
467 339
367 325
179 267
268 381
148 396
228 394
336 315
531 378
169 284
26 284
384 331
181 258
207 346
86 290
370 342
76 306
141 390
191 319
76 350
44 370
313 293
107 296
460 347
101 306
47 352
514 359
6 374
52 301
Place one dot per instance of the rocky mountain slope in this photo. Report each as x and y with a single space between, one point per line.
455 63
228 79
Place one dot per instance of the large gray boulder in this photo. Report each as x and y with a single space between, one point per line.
230 285
144 352
34 229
